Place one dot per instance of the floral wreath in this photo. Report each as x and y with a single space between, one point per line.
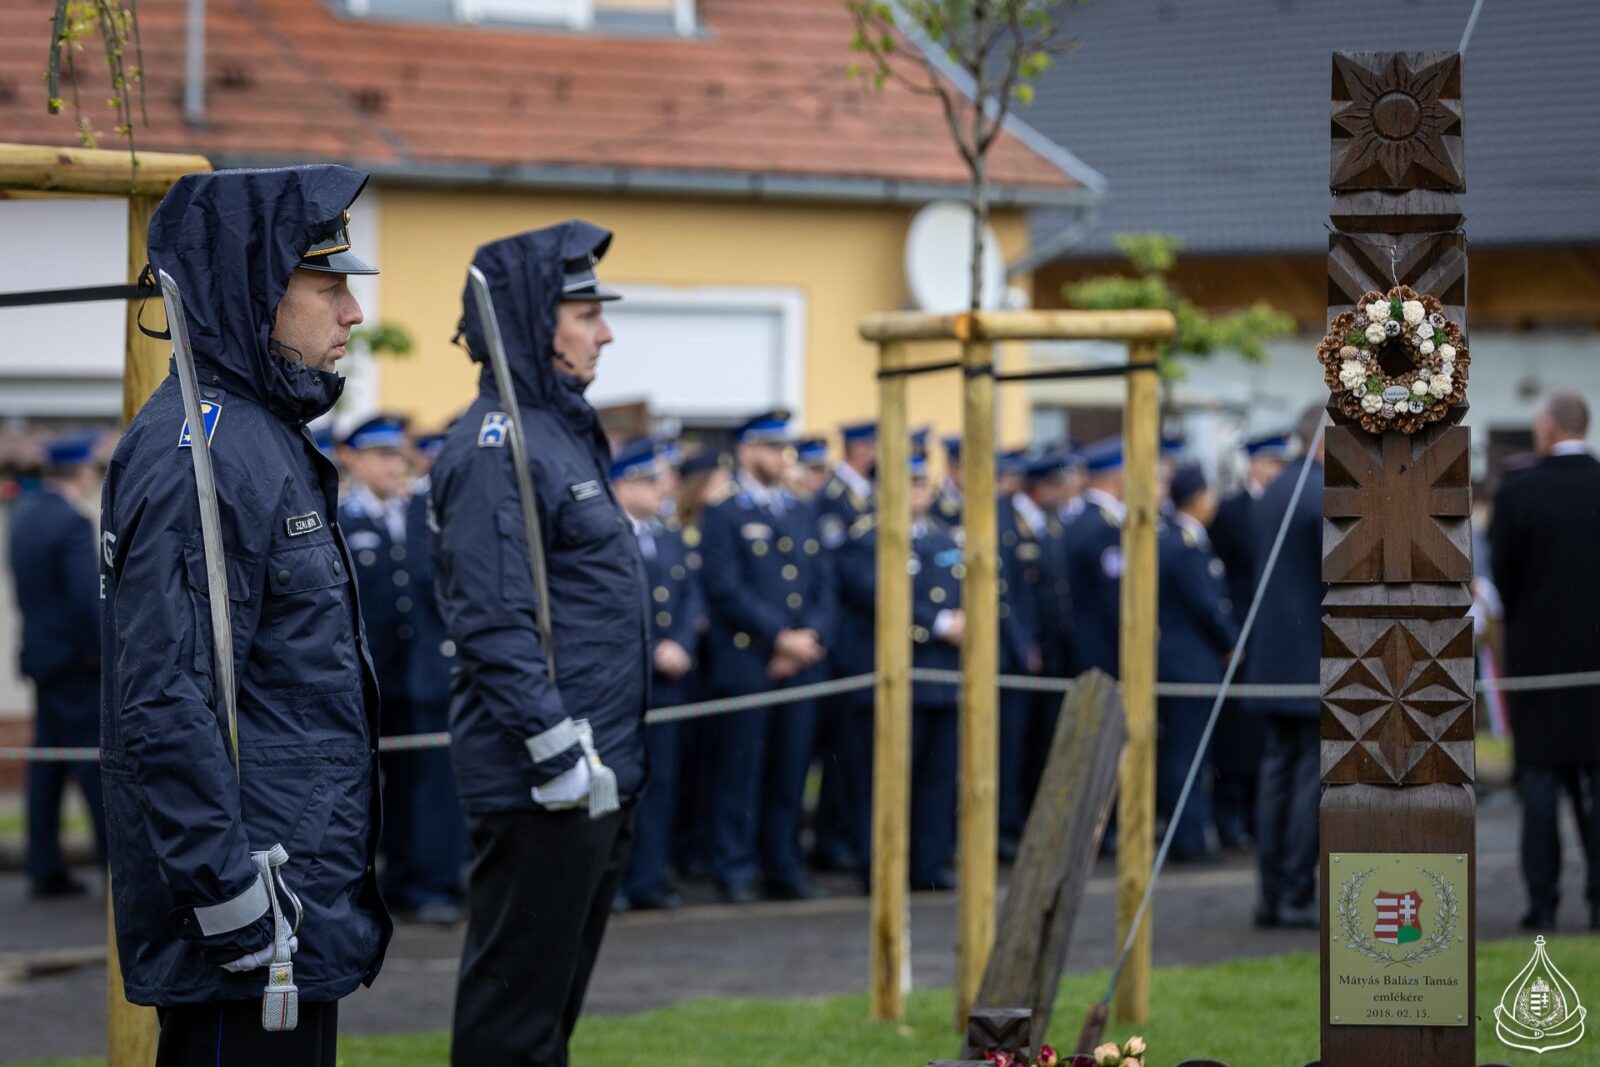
1409 401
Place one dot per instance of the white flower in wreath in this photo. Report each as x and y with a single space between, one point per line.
1413 312
1419 387
1416 407
1375 334
1372 403
1392 328
1378 310
1447 351
1351 373
1426 348
1440 386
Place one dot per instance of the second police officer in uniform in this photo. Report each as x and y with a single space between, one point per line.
212 836
545 765
1196 636
677 613
844 509
769 598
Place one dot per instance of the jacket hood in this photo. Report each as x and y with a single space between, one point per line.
524 274
231 239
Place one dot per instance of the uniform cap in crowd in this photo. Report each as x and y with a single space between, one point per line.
1188 482
767 428
1268 446
330 252
637 458
812 451
858 432
380 431
71 449
1103 455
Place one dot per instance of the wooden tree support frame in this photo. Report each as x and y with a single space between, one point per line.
44 170
978 823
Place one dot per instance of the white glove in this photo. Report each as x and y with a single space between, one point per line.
262 956
569 789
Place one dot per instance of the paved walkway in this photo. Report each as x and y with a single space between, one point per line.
52 983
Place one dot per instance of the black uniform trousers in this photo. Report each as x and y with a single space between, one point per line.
228 1033
1541 789
1287 812
540 891
69 717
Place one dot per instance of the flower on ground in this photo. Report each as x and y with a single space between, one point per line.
1134 1046
1107 1055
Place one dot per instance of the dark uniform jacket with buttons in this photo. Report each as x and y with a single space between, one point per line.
764 570
843 519
1286 641
1039 558
431 653
388 596
1197 630
1093 548
1019 610
936 570
1232 539
57 584
181 825
511 727
677 604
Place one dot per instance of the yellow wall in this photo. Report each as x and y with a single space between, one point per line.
847 260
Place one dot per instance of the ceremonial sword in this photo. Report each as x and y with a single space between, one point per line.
519 461
205 484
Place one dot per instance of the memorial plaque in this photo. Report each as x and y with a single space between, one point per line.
1398 952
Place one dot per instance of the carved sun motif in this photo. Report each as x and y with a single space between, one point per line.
1394 128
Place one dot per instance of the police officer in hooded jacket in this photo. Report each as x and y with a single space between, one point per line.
542 764
260 256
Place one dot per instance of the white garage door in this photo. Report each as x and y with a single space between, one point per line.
704 355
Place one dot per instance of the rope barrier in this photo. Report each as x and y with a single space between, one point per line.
834 686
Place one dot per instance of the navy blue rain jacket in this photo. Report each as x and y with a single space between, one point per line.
181 825
510 728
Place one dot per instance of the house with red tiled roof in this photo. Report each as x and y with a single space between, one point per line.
760 196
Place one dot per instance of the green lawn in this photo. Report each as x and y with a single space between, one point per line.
1248 1013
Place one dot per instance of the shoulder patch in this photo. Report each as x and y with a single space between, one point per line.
584 490
210 414
494 431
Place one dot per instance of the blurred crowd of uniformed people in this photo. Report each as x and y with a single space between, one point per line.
762 567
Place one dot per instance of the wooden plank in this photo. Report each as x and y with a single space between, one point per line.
1136 804
93 170
1057 853
891 773
978 812
1019 326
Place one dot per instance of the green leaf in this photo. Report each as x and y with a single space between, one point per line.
1024 94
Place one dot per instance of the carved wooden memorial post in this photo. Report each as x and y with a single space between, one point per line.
1398 814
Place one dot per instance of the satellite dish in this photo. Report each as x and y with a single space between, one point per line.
939 259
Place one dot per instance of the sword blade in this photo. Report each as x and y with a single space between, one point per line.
205 484
519 460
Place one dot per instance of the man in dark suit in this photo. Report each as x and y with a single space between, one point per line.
1286 648
1542 543
54 569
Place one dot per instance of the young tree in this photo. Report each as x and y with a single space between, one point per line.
74 22
1200 334
1001 46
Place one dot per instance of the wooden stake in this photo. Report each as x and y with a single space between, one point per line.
131 1028
1136 800
891 774
979 810
93 170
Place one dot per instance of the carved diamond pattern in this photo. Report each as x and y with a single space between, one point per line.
1397 701
1434 264
1396 507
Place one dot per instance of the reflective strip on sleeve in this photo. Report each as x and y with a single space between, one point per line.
234 914
554 741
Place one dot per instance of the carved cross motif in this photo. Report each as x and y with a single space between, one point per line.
1397 701
1395 508
1397 121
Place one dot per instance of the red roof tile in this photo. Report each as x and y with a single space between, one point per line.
762 90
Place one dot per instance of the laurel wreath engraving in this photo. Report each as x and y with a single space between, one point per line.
1359 941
